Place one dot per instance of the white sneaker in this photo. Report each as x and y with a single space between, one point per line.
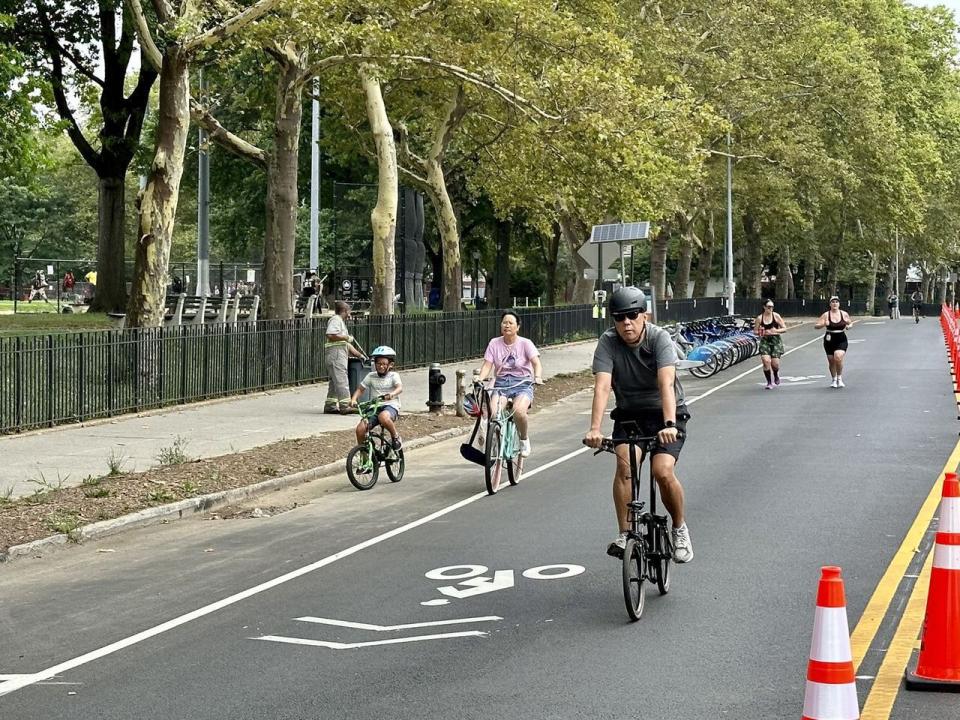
682 547
616 548
833 383
840 382
525 448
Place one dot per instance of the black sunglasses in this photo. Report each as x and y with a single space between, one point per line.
632 315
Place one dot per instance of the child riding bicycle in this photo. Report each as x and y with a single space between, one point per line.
385 383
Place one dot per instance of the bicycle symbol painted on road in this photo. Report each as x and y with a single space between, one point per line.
474 579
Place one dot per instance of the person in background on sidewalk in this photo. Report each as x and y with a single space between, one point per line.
382 382
515 362
337 350
770 326
892 301
637 360
39 287
836 321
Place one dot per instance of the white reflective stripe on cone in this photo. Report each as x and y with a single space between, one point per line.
831 702
946 557
949 515
831 636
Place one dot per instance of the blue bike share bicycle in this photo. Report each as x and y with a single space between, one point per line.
501 446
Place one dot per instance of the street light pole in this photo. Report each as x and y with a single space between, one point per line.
729 250
315 180
476 277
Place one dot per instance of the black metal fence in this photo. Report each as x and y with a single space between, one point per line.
54 379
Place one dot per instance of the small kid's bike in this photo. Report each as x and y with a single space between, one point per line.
365 459
649 549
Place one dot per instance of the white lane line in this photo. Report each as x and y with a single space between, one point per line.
351 646
18 683
384 628
747 372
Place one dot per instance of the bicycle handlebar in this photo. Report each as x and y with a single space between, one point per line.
608 444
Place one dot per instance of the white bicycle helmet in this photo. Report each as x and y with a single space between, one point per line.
384 351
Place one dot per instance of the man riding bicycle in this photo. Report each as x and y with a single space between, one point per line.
917 299
637 359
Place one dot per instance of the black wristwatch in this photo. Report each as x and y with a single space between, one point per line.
669 424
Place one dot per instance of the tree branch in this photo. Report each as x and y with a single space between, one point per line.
151 53
226 139
231 26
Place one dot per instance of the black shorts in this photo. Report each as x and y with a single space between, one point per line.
834 341
649 422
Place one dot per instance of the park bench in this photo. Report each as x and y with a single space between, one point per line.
303 307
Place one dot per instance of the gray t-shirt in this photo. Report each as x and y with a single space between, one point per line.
634 369
383 385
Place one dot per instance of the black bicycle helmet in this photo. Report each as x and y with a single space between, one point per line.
626 299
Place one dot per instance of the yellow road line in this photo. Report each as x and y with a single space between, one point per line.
886 687
879 603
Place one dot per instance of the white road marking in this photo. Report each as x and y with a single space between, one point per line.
453 572
352 646
878 322
501 580
434 603
546 572
388 628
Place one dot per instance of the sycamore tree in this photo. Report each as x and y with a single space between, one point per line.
169 45
83 53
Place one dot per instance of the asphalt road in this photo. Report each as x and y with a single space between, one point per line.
274 617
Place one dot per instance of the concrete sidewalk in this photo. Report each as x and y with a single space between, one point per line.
69 454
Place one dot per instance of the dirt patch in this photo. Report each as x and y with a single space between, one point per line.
51 510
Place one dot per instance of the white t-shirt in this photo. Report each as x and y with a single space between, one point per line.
383 385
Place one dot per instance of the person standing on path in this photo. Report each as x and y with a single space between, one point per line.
836 321
337 350
770 326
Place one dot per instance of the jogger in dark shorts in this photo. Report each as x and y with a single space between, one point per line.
769 326
836 321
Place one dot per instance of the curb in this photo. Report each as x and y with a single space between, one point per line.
201 503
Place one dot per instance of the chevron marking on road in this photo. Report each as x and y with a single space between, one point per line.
388 628
353 646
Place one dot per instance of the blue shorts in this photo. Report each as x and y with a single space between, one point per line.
516 387
394 414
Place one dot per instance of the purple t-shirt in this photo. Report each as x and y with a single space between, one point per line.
512 360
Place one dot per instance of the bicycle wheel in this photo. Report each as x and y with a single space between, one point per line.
514 464
493 469
633 562
662 565
394 464
362 467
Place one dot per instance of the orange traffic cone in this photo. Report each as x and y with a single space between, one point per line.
938 666
831 687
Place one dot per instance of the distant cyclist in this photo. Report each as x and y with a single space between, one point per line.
917 299
892 301
515 362
637 360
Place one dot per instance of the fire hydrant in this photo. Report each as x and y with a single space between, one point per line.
435 381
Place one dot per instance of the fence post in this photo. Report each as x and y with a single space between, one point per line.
50 392
460 393
81 377
18 384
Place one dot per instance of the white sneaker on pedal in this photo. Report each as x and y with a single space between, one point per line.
682 547
616 548
525 448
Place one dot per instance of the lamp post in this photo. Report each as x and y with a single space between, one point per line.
476 276
729 248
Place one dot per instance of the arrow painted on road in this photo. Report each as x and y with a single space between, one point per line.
352 646
386 628
501 580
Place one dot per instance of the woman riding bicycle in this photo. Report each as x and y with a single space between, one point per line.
515 362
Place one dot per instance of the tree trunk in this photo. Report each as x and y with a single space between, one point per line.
705 259
158 201
111 293
810 275
658 260
383 217
791 284
282 197
575 234
501 270
552 252
752 258
688 241
783 273
449 237
872 282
